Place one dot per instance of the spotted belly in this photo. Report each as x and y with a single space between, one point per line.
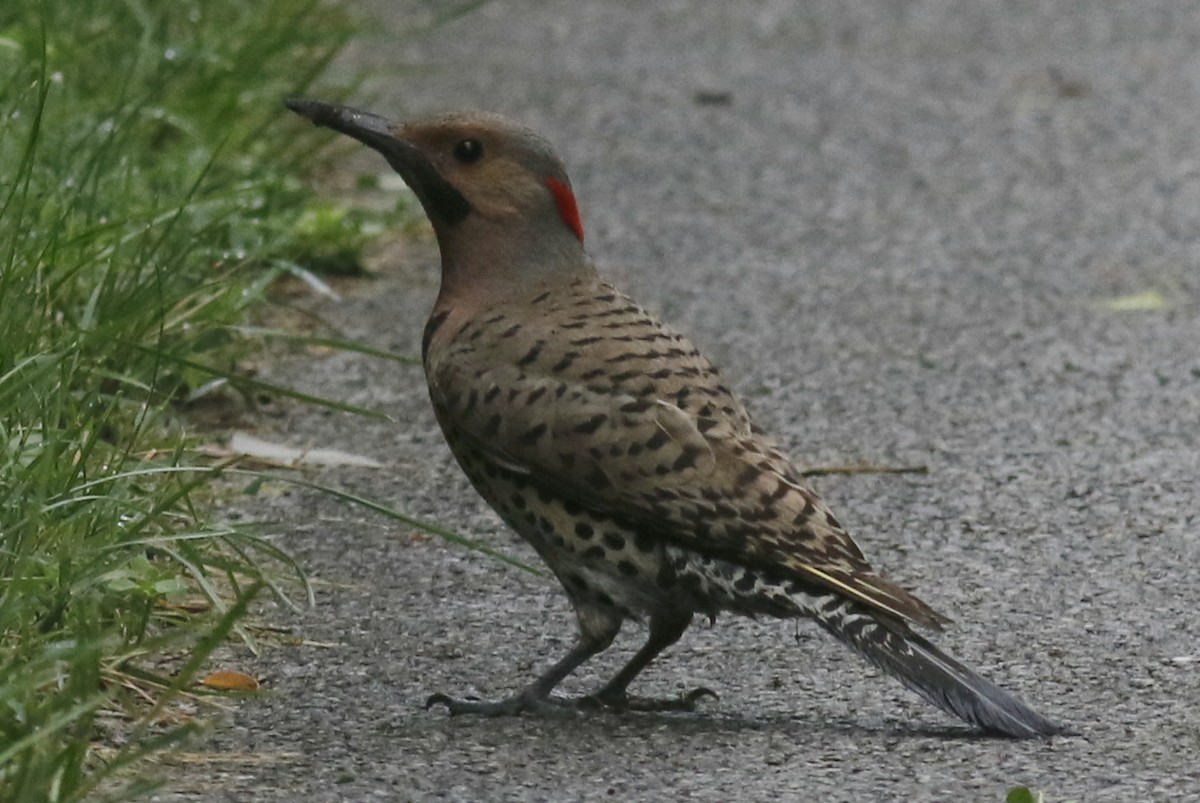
598 559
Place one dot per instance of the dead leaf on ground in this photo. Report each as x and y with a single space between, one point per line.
281 455
188 604
181 757
229 680
1136 302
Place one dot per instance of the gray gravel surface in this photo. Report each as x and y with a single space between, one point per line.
909 232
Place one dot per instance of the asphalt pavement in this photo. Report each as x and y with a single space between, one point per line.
960 235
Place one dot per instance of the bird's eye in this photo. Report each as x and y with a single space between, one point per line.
468 150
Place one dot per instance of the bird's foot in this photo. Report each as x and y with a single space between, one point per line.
531 702
627 702
526 701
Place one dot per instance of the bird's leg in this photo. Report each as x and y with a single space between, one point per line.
665 630
596 634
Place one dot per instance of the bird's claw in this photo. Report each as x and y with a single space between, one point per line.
626 702
444 699
699 693
521 703
526 702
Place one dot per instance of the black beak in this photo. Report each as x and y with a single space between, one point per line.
441 199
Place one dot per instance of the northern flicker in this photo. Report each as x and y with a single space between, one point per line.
611 445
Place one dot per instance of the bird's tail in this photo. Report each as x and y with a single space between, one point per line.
893 647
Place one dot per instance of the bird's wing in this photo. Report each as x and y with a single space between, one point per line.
701 482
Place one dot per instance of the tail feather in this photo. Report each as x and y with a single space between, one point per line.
896 649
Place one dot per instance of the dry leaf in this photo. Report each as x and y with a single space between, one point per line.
1137 302
245 444
229 680
190 605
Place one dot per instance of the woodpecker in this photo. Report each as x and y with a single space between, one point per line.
609 443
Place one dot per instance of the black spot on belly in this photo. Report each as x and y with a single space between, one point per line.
685 460
614 541
627 568
597 479
658 440
533 434
592 424
564 363
492 427
532 355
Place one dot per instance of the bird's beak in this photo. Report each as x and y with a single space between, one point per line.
442 201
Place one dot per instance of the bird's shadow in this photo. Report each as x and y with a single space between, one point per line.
601 723
705 723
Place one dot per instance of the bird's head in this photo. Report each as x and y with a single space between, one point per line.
497 195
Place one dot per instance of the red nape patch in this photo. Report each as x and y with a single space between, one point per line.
567 208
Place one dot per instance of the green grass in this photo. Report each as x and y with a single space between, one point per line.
147 199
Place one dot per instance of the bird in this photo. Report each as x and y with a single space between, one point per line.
615 449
